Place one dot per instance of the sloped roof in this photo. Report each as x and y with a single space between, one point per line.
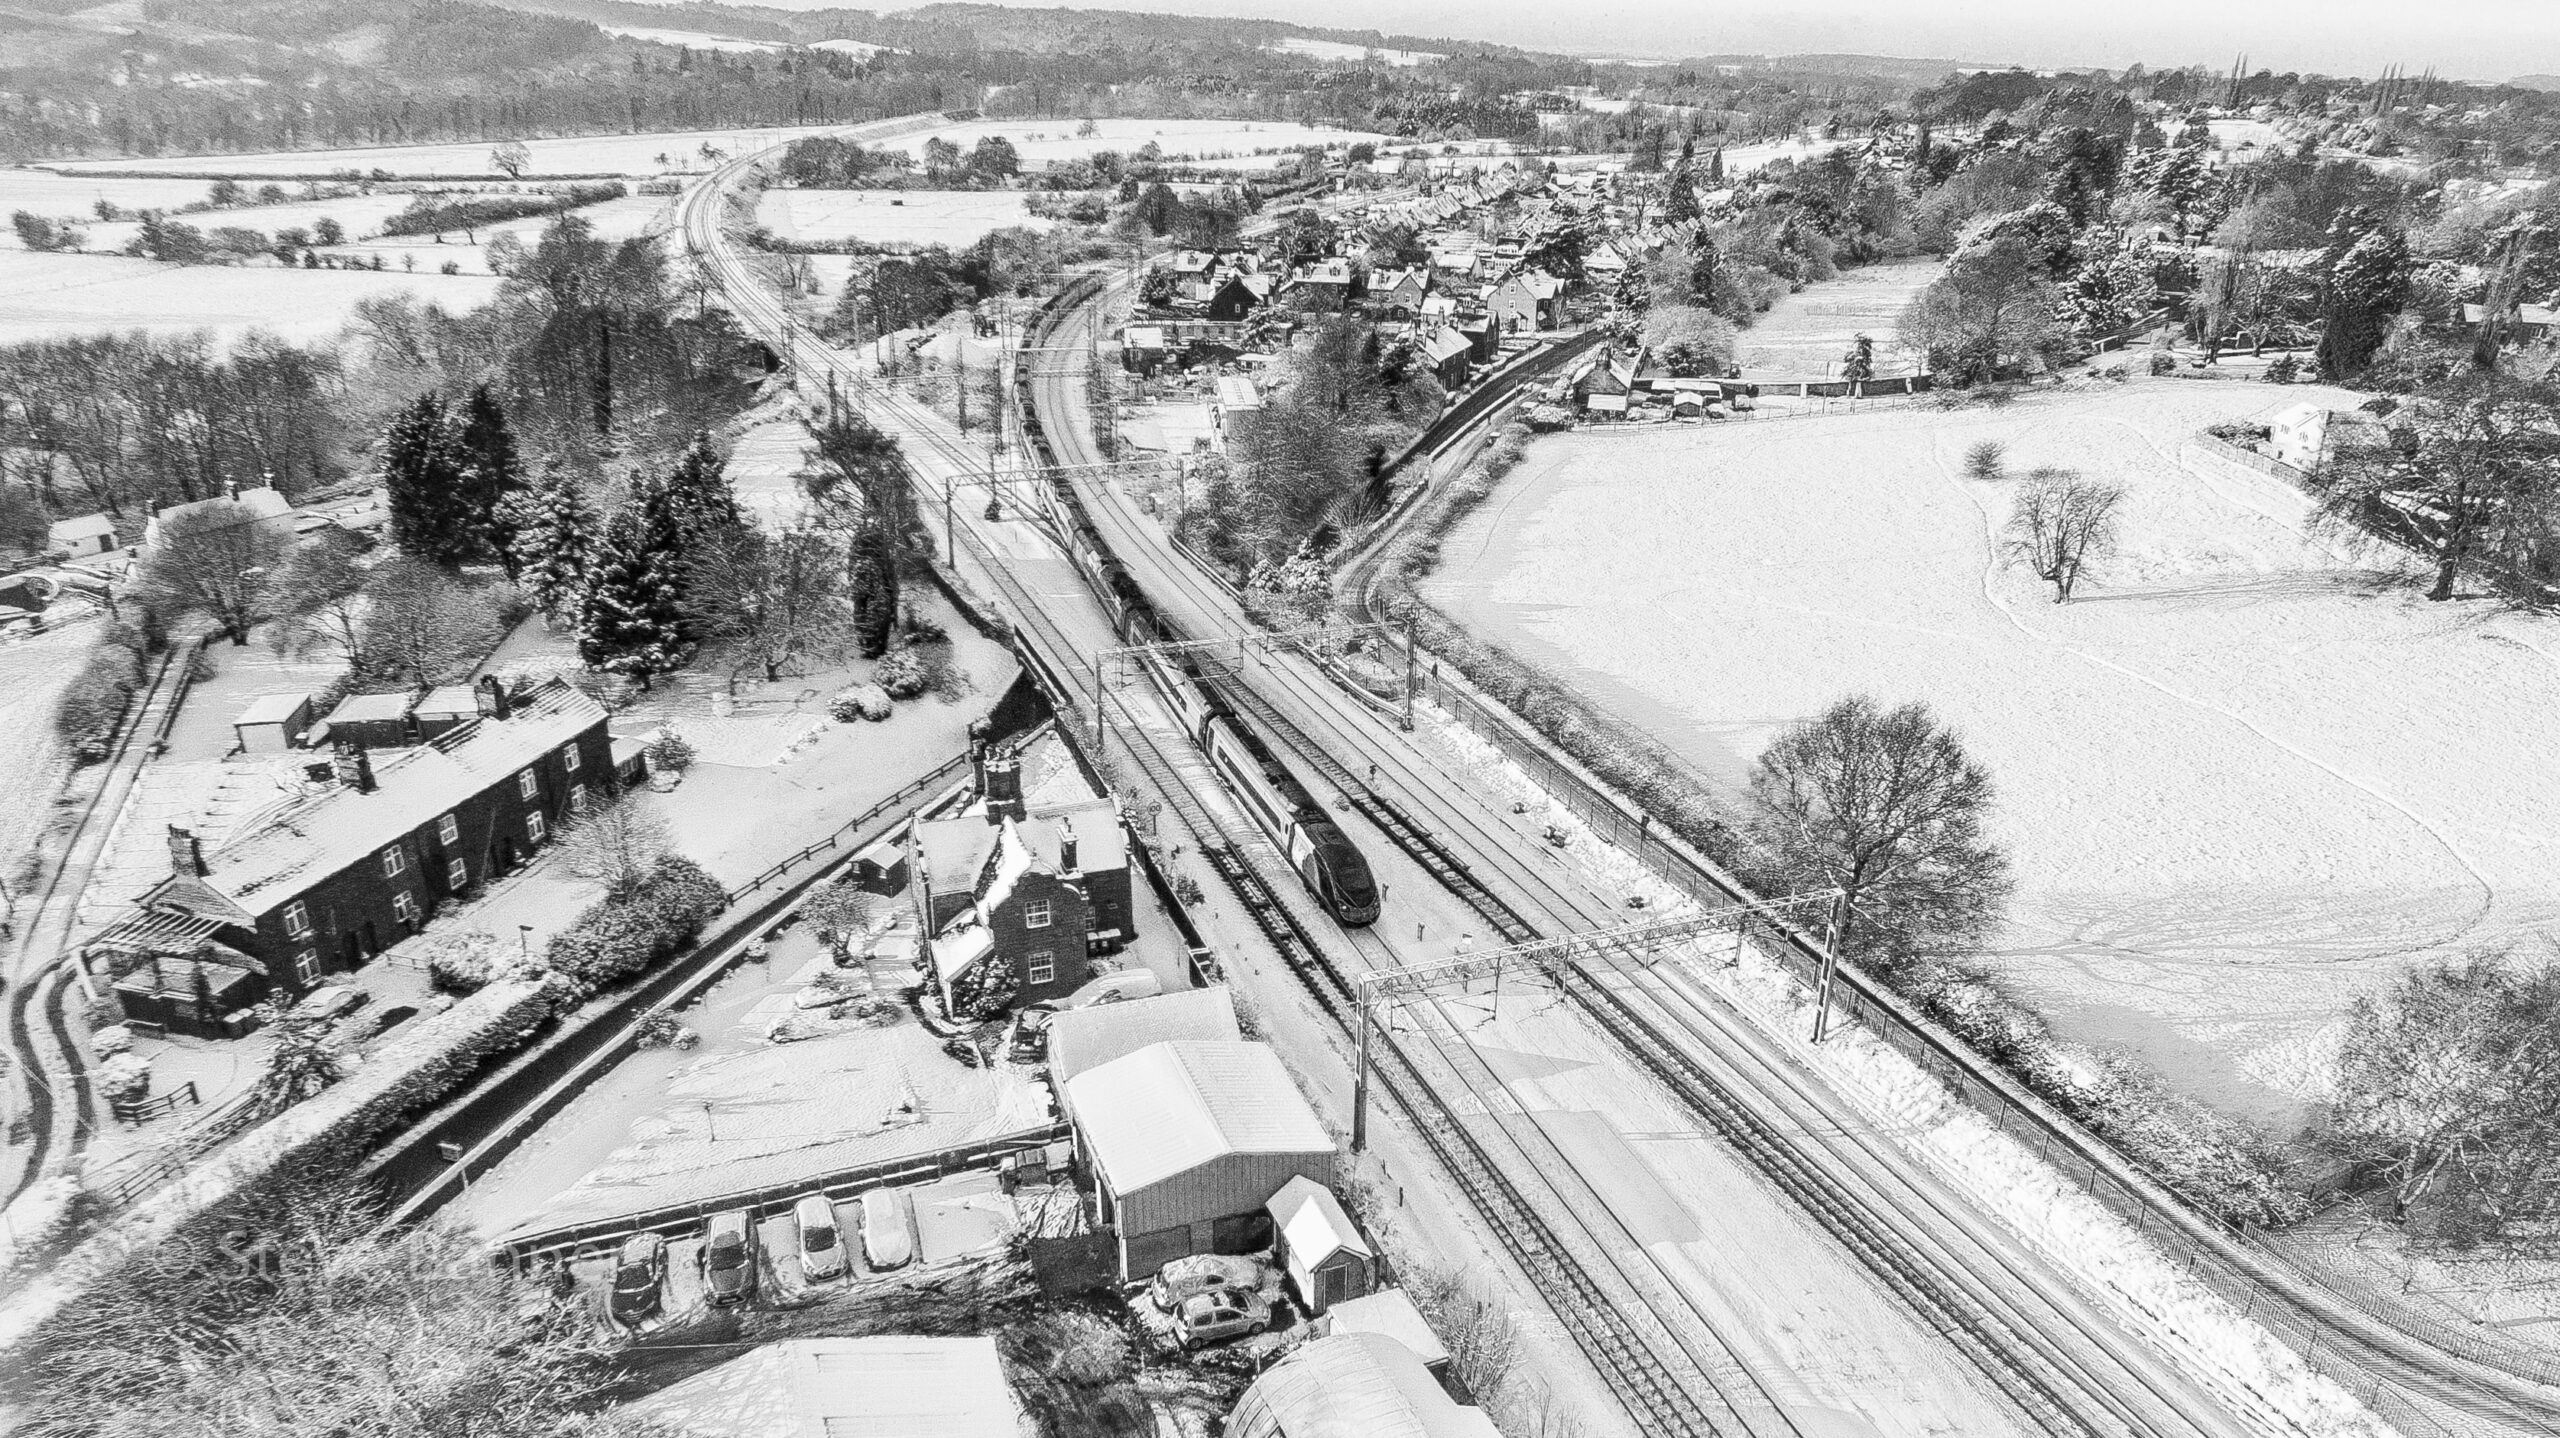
273 709
1311 1219
1101 844
888 1387
1444 343
315 837
1087 1038
85 526
1353 1385
1389 1311
371 708
1171 1107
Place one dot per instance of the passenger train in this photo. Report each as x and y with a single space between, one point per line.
1323 856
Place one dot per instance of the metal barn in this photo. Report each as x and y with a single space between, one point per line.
1187 1140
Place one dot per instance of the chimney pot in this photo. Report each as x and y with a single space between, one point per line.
1004 789
355 767
1067 849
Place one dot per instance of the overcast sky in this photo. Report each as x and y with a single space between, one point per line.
2472 39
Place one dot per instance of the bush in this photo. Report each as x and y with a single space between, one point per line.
431 214
1985 460
859 701
2283 369
124 1079
461 963
901 673
666 1031
2163 362
670 753
620 937
94 702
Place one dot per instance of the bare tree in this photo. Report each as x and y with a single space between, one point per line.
770 599
2470 472
512 156
420 624
216 560
2449 1087
1991 311
615 844
1884 805
2059 522
837 913
318 598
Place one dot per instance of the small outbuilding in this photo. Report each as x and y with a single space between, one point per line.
1187 1141
881 1387
1353 1385
83 536
1318 1246
1390 1311
273 723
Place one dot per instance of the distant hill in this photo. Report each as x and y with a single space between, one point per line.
2536 82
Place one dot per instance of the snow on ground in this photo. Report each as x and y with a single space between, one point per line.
693 39
34 670
741 1111
1337 50
633 155
63 197
47 296
627 218
1806 333
1228 144
895 217
2244 779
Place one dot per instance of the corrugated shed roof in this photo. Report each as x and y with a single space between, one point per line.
1084 1039
1171 1107
316 837
1390 1312
891 1387
1353 1385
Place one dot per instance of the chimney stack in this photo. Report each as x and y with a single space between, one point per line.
355 767
1003 789
186 853
1066 846
492 697
978 757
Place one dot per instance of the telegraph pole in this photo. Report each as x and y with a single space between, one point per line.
1412 671
1362 999
1830 965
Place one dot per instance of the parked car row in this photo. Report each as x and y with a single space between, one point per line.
1209 1298
731 1255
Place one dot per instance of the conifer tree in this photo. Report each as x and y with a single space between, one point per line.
698 495
554 537
422 474
632 618
493 473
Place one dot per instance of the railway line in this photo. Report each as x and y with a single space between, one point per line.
2060 1360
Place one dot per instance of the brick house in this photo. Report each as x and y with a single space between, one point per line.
1526 301
1033 878
360 861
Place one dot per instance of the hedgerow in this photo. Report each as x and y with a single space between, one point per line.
620 937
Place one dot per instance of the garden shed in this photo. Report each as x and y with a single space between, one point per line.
1187 1140
1318 1245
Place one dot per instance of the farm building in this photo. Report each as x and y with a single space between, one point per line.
1187 1140
1318 1246
1088 1038
822 1387
1353 1385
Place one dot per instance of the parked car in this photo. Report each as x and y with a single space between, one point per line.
821 1242
1220 1314
1186 1278
729 1257
330 1001
1108 989
636 1276
884 1230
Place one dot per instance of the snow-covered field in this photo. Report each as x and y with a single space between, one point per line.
2245 778
693 39
623 219
46 296
1337 50
895 217
1806 333
635 155
63 197
1228 144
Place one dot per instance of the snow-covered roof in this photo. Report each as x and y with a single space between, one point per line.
956 948
1171 1107
1311 1219
892 1387
450 699
1237 392
1389 1311
1013 858
1101 844
1444 343
955 851
1087 1038
370 708
79 527
1353 1385
313 838
273 709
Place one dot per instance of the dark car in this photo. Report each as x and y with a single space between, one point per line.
729 1257
636 1276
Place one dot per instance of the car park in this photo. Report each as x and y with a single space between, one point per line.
1187 1278
637 1272
885 1243
1218 1315
821 1241
729 1257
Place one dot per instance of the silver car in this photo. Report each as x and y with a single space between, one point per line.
821 1240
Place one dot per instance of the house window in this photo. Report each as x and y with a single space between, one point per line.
533 828
393 862
1044 966
578 800
449 830
297 920
1035 915
569 757
405 905
306 967
456 875
526 785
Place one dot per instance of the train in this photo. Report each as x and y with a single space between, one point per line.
1318 851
